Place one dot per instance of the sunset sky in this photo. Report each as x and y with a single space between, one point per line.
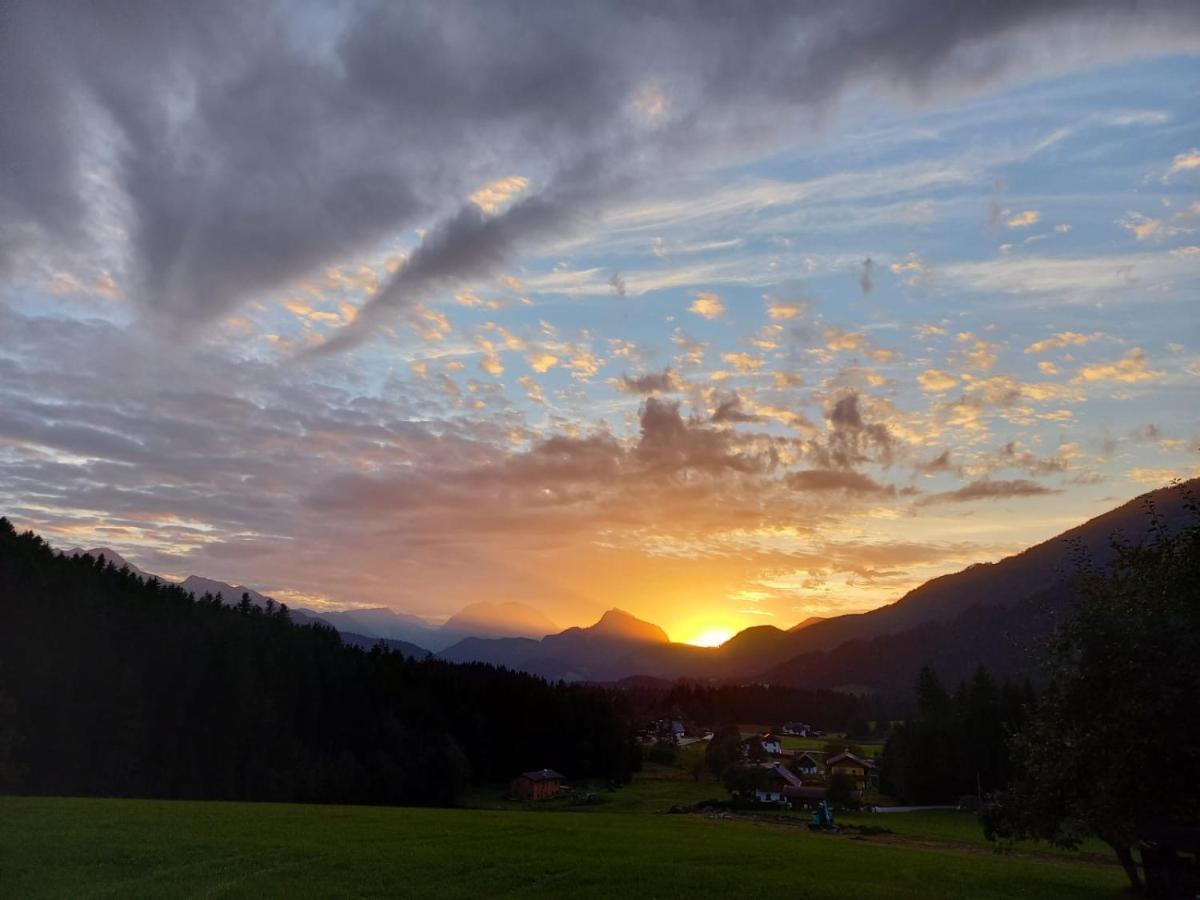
723 318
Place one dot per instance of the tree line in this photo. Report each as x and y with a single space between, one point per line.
114 685
770 705
1110 746
957 743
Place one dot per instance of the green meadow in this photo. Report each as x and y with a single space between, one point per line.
623 845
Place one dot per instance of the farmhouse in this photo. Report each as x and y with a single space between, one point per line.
862 773
766 741
808 763
540 785
778 781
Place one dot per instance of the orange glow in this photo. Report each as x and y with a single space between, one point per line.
712 636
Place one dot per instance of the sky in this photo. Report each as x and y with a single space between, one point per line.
725 316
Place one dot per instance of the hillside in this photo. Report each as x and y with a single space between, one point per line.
987 613
111 684
496 620
618 644
1009 584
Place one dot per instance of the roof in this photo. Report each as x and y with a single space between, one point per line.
852 757
813 755
543 775
787 776
805 792
760 738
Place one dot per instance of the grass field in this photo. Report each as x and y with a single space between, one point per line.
141 848
623 844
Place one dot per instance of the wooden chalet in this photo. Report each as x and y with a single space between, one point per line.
543 784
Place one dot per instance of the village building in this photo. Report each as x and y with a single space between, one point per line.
779 781
862 773
808 763
543 784
767 742
806 794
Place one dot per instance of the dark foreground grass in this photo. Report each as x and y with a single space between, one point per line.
143 848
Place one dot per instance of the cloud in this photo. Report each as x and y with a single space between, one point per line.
729 411
850 439
1129 369
618 284
986 489
1184 162
940 463
936 380
541 361
650 383
1023 219
785 310
243 146
707 305
836 480
866 281
491 197
1145 228
745 363
670 443
1063 339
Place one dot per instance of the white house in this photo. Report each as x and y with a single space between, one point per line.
779 780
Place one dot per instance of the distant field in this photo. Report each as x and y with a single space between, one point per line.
793 742
138 848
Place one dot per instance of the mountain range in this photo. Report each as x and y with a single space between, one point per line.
988 613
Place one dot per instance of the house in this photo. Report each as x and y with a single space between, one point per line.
862 773
778 781
540 785
806 794
669 730
767 741
808 763
799 729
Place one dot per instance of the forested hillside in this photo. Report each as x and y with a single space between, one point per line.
114 685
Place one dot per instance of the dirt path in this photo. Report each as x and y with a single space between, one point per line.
873 835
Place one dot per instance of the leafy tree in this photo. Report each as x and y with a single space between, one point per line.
1113 741
859 729
841 790
663 752
744 780
723 749
956 745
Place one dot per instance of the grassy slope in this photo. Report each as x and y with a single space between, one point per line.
136 848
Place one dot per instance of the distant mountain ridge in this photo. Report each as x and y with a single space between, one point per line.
983 613
405 632
987 612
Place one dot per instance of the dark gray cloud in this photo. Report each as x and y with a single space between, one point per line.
850 440
940 463
729 410
649 383
617 283
242 145
837 480
986 489
866 280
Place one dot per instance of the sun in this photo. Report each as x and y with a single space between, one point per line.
712 636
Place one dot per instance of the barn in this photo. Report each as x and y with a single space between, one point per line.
540 785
